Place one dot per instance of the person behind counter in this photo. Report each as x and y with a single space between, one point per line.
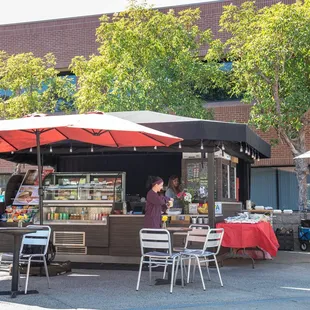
173 190
155 204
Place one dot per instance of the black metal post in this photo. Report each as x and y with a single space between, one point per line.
211 181
16 247
40 177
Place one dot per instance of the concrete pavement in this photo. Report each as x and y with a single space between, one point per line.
283 283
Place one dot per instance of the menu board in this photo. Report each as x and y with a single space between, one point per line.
232 182
31 177
197 178
203 184
225 180
28 193
192 174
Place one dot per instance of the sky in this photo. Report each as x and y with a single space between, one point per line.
18 11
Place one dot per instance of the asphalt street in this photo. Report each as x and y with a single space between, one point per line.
283 283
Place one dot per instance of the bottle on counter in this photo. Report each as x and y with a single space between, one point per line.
124 208
83 214
86 214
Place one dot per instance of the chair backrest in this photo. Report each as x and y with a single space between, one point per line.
40 239
198 234
155 239
214 240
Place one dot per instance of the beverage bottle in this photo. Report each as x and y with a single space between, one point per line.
124 208
86 214
83 214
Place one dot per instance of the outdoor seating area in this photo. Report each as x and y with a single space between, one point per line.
84 214
102 287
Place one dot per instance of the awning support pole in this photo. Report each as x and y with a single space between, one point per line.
211 181
40 176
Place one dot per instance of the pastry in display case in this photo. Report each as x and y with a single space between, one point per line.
82 197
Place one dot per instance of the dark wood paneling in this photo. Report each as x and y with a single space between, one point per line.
97 251
124 236
95 236
138 166
125 251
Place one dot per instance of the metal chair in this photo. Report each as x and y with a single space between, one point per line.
192 236
156 247
213 240
37 239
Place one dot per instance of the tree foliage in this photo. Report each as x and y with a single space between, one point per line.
147 60
30 84
270 51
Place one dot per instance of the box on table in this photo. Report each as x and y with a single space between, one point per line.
180 219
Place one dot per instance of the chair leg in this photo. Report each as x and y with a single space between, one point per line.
182 273
207 265
27 275
139 276
172 275
176 271
165 270
201 276
150 271
194 271
189 268
46 273
218 270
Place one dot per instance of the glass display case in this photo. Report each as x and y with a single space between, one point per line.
81 198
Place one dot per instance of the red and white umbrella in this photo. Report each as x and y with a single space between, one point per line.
94 128
101 129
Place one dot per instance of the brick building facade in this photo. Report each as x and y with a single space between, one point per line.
69 37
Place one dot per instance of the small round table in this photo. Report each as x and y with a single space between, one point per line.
17 233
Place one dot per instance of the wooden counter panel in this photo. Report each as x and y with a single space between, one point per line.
124 236
95 236
97 251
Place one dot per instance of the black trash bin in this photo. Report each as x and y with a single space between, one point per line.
285 238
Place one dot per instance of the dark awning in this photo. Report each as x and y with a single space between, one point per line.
212 134
191 129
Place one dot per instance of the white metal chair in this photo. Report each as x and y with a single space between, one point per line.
213 240
195 235
40 239
156 247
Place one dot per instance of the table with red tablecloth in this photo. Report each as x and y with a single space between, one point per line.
244 235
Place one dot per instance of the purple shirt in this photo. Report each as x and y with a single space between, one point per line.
155 204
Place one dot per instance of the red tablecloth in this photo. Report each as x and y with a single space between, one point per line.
241 235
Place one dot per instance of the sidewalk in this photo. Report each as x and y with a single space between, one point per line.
279 284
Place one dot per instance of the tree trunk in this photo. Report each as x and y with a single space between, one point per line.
301 168
298 147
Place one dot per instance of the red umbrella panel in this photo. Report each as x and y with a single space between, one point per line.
100 129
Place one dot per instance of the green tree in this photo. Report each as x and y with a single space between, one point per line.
270 51
147 60
30 84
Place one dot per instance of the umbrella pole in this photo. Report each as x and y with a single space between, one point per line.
40 176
